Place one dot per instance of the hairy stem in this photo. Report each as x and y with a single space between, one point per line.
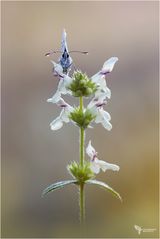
82 203
82 146
81 186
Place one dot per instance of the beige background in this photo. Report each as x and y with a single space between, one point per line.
33 156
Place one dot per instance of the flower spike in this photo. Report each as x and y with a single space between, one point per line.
80 86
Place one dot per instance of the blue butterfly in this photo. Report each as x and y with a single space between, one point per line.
65 60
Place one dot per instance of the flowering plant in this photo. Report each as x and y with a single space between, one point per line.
80 85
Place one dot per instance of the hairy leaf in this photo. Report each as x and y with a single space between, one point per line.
105 186
57 185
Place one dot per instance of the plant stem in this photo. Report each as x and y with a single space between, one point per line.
81 102
82 135
81 194
82 147
81 203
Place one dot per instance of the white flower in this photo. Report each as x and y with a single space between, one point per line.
101 98
63 117
96 108
64 82
97 164
99 78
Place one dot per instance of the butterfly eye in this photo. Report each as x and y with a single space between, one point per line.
63 55
67 55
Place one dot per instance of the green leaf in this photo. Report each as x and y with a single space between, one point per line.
57 185
105 186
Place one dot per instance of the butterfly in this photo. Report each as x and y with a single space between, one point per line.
65 59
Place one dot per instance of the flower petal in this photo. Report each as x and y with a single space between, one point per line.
63 83
67 80
103 87
99 98
91 105
102 91
64 116
106 166
61 102
60 90
95 167
56 124
95 78
106 124
98 118
107 68
106 115
102 115
99 79
55 98
90 150
108 65
58 70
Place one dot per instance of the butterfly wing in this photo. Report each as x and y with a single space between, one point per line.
65 59
64 42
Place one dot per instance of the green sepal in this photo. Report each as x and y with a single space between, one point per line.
81 118
82 85
57 185
106 187
81 173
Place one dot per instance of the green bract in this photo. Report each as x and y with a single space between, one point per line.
81 118
81 173
81 85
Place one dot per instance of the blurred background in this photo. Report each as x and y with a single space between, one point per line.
33 156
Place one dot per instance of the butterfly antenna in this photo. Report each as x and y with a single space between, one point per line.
52 52
83 52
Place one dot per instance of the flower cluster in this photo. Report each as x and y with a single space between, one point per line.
81 85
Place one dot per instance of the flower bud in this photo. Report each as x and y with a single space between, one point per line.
81 85
82 118
82 174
